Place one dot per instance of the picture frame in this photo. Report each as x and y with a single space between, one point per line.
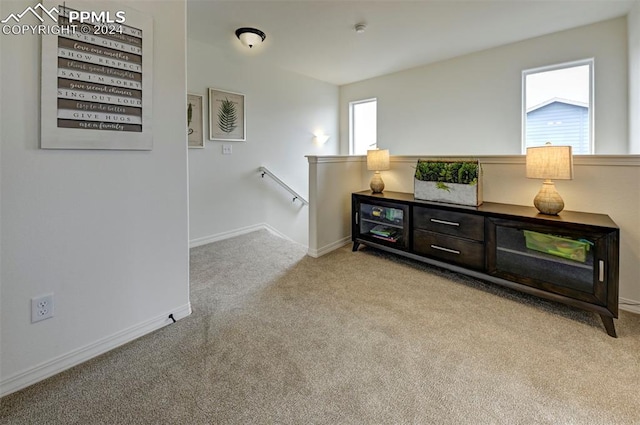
195 121
226 116
85 104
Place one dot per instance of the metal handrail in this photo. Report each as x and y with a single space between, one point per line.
295 194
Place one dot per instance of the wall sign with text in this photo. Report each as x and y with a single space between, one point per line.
97 78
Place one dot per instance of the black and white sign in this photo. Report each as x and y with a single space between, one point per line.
97 79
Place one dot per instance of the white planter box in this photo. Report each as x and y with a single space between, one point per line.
452 193
434 181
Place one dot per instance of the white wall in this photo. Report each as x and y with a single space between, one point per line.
331 181
472 104
602 184
105 231
283 110
634 78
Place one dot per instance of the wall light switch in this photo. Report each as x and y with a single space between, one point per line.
227 150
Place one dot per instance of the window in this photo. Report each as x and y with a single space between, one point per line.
362 126
558 106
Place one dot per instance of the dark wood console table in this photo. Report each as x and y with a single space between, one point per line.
571 258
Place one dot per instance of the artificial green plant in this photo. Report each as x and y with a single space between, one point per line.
447 171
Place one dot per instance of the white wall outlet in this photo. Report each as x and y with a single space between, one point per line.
41 307
227 149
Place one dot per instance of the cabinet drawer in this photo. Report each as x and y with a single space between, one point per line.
463 225
450 249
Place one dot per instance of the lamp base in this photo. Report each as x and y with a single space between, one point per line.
548 200
376 184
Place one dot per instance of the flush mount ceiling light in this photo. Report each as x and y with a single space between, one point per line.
250 36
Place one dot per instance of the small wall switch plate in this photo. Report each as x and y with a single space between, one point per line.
41 307
227 150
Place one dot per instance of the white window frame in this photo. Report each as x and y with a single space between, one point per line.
581 62
351 122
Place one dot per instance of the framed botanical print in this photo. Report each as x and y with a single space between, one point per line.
195 121
226 116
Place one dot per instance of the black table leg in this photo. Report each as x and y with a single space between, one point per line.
608 325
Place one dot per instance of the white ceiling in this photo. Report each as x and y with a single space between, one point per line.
317 37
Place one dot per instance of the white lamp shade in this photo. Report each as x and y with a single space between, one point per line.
550 162
250 36
378 160
250 39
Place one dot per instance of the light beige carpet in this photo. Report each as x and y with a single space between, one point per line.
277 337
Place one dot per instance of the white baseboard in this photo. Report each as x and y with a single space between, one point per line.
315 253
237 232
635 308
225 235
54 366
277 233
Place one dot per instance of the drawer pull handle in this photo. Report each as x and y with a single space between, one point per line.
448 223
601 271
453 251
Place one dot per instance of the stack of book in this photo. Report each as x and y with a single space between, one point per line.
386 233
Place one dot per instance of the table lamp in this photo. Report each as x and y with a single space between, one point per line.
377 160
549 162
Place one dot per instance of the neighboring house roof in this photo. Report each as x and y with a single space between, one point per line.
559 100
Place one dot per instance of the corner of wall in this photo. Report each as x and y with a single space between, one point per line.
90 224
633 34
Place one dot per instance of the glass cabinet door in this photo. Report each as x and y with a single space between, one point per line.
567 264
383 223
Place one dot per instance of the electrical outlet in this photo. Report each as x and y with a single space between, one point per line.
227 149
41 307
